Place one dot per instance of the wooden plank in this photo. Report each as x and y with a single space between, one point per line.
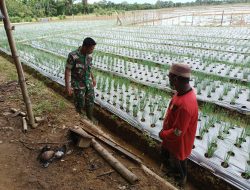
114 145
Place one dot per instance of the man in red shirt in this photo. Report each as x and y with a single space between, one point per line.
179 126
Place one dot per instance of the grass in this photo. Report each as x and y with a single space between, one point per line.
42 107
7 70
149 140
51 102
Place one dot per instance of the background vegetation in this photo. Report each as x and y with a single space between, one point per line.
30 10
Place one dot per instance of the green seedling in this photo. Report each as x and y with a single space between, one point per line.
153 120
211 147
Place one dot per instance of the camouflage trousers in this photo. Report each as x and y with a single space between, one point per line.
84 99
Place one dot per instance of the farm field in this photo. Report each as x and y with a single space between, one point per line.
131 65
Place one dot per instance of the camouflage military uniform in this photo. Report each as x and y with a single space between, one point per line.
81 81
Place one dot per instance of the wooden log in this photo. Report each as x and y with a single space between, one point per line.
25 127
128 175
18 112
165 185
94 128
84 139
13 110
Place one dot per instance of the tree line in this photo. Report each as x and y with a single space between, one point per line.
28 10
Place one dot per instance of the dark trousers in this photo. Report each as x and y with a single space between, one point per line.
84 98
174 164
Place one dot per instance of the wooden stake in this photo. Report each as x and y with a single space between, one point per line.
222 17
25 127
106 173
19 68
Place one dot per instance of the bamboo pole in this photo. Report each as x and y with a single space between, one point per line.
19 68
222 17
25 128
128 175
165 185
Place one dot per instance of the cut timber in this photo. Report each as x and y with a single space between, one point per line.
165 185
85 140
128 175
25 128
18 112
39 119
94 128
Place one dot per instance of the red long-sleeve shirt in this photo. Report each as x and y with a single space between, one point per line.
179 126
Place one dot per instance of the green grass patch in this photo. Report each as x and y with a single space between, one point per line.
7 70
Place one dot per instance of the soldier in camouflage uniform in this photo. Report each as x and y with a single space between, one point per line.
78 67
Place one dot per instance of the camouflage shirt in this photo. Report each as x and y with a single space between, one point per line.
80 66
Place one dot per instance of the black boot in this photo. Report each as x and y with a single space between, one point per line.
89 113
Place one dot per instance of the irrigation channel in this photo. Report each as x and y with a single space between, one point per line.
131 65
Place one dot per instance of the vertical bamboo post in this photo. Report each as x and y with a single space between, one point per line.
231 19
222 16
153 18
19 68
192 19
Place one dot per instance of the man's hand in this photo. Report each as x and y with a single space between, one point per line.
69 91
160 134
94 82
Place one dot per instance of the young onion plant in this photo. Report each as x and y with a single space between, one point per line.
153 119
143 116
201 131
240 139
135 109
211 147
128 104
221 134
225 162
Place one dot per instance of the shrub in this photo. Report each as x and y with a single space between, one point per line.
15 19
28 19
62 17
